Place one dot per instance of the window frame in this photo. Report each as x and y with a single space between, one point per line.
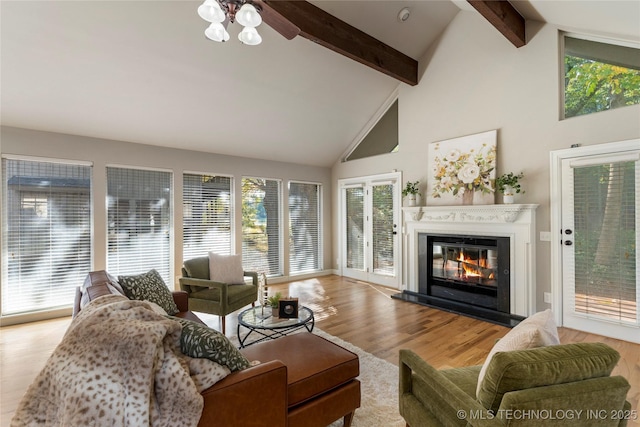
280 222
169 281
561 66
52 310
232 210
320 226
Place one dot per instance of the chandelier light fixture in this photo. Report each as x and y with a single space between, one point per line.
221 12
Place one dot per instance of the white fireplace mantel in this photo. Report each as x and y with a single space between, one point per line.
514 221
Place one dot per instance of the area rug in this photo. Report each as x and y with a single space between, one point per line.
379 388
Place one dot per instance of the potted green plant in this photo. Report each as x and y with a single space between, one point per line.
411 192
509 185
274 302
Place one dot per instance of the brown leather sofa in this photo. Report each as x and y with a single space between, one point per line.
303 380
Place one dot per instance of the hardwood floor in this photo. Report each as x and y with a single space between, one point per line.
358 312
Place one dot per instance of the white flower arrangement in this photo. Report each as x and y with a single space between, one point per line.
458 172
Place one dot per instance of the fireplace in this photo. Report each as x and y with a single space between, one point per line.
495 242
472 270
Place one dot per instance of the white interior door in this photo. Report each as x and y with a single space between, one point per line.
599 203
370 244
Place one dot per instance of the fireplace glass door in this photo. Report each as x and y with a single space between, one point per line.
466 269
471 264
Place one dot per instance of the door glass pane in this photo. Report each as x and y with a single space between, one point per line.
605 241
139 222
46 233
383 257
207 213
355 228
261 226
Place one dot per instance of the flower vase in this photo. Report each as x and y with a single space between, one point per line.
467 197
412 200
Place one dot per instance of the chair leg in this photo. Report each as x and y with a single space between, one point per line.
347 419
223 322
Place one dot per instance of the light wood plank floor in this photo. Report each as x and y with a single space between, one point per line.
358 312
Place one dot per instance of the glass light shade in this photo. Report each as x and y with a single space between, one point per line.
248 16
250 36
211 11
217 32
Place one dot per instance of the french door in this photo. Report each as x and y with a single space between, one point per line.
370 218
599 217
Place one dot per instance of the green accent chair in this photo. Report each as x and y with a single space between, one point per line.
560 385
207 296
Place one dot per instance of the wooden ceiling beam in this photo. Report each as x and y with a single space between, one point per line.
326 30
502 15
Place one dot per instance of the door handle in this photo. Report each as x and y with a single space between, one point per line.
568 242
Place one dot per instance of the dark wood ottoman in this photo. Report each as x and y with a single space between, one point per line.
321 378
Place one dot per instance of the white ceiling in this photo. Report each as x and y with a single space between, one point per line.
144 72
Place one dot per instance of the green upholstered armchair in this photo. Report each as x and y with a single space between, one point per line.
560 385
207 296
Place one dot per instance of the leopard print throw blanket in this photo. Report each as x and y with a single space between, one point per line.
119 364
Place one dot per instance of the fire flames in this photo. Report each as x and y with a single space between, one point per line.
474 267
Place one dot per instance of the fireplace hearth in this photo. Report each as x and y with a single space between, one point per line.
473 260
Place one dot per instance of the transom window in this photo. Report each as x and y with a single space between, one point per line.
599 76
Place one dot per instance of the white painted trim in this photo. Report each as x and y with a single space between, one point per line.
36 316
556 158
365 182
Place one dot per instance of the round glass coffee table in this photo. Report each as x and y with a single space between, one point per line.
266 327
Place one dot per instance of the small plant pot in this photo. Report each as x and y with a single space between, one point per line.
509 195
412 200
275 312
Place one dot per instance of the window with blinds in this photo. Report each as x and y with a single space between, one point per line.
382 223
207 214
606 238
139 222
46 233
261 226
304 228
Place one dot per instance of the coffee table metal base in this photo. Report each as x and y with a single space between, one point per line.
266 327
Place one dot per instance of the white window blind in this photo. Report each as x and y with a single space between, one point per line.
355 227
606 238
304 228
207 213
46 233
382 223
261 226
139 222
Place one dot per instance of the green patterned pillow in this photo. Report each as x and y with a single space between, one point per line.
201 341
149 287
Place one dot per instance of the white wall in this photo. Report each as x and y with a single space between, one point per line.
475 80
101 152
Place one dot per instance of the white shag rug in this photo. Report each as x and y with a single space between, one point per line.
379 388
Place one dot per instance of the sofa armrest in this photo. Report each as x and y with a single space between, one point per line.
181 299
76 301
253 275
254 397
455 400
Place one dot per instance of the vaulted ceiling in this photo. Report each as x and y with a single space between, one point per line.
142 71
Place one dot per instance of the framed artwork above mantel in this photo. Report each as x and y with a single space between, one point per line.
462 170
